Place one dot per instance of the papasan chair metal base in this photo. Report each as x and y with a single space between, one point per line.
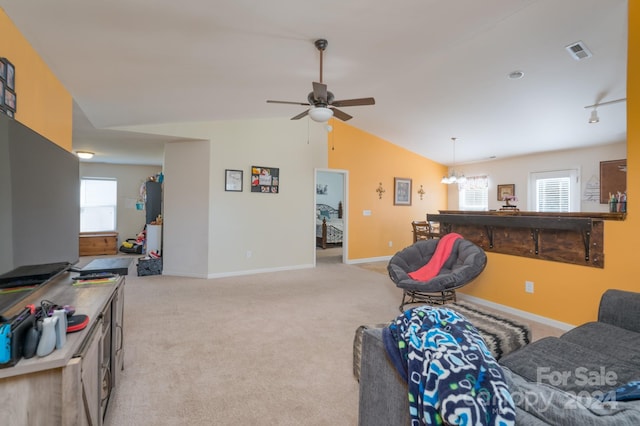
411 297
465 262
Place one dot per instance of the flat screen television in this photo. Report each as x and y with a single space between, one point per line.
39 203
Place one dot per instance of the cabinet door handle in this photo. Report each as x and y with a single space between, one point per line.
121 337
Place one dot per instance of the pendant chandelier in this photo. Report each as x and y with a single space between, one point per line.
453 176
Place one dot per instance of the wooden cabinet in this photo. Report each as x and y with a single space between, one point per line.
96 243
72 385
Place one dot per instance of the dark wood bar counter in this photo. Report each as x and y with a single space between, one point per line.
575 238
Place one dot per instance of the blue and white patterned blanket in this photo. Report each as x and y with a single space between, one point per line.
452 376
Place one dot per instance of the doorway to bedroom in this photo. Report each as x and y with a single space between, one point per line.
331 215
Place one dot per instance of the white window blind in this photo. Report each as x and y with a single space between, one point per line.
98 204
473 194
556 191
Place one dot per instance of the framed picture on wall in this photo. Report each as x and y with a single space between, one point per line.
233 180
265 179
11 75
10 100
506 191
401 191
613 179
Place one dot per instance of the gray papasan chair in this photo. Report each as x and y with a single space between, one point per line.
465 263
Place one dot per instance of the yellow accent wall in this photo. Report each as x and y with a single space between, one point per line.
563 292
571 293
43 104
370 161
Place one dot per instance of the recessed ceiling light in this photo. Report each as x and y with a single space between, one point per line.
85 155
515 75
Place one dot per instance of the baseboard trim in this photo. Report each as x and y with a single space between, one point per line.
368 260
259 271
524 314
183 274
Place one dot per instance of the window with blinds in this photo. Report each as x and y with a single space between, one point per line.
98 204
556 191
473 194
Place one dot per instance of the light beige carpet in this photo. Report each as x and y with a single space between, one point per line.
266 349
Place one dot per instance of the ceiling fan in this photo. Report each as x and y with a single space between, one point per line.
322 102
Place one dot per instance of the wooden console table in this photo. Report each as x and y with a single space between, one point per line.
72 385
575 238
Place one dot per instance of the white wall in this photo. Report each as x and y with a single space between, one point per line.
245 232
516 171
186 208
129 221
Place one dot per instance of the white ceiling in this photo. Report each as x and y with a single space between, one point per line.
437 68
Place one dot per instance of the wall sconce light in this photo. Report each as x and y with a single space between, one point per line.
421 192
380 191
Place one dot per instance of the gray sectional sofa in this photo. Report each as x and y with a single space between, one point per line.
553 381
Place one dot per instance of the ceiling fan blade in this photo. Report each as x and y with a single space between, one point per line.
289 103
299 116
320 91
341 114
354 102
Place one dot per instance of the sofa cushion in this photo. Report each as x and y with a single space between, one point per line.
539 403
608 340
569 366
620 308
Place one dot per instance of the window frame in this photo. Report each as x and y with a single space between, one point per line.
113 207
573 176
482 191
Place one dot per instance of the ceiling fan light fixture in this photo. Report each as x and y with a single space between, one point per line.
594 117
320 114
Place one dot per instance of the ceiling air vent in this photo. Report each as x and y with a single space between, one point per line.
578 51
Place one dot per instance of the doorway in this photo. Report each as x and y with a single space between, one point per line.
331 197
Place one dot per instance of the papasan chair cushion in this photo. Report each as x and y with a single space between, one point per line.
464 263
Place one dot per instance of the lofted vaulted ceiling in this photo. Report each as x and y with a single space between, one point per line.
437 69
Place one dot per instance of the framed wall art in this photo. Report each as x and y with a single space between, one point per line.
506 191
265 179
613 179
401 192
11 75
233 180
10 100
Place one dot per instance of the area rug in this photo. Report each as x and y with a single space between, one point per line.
501 335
